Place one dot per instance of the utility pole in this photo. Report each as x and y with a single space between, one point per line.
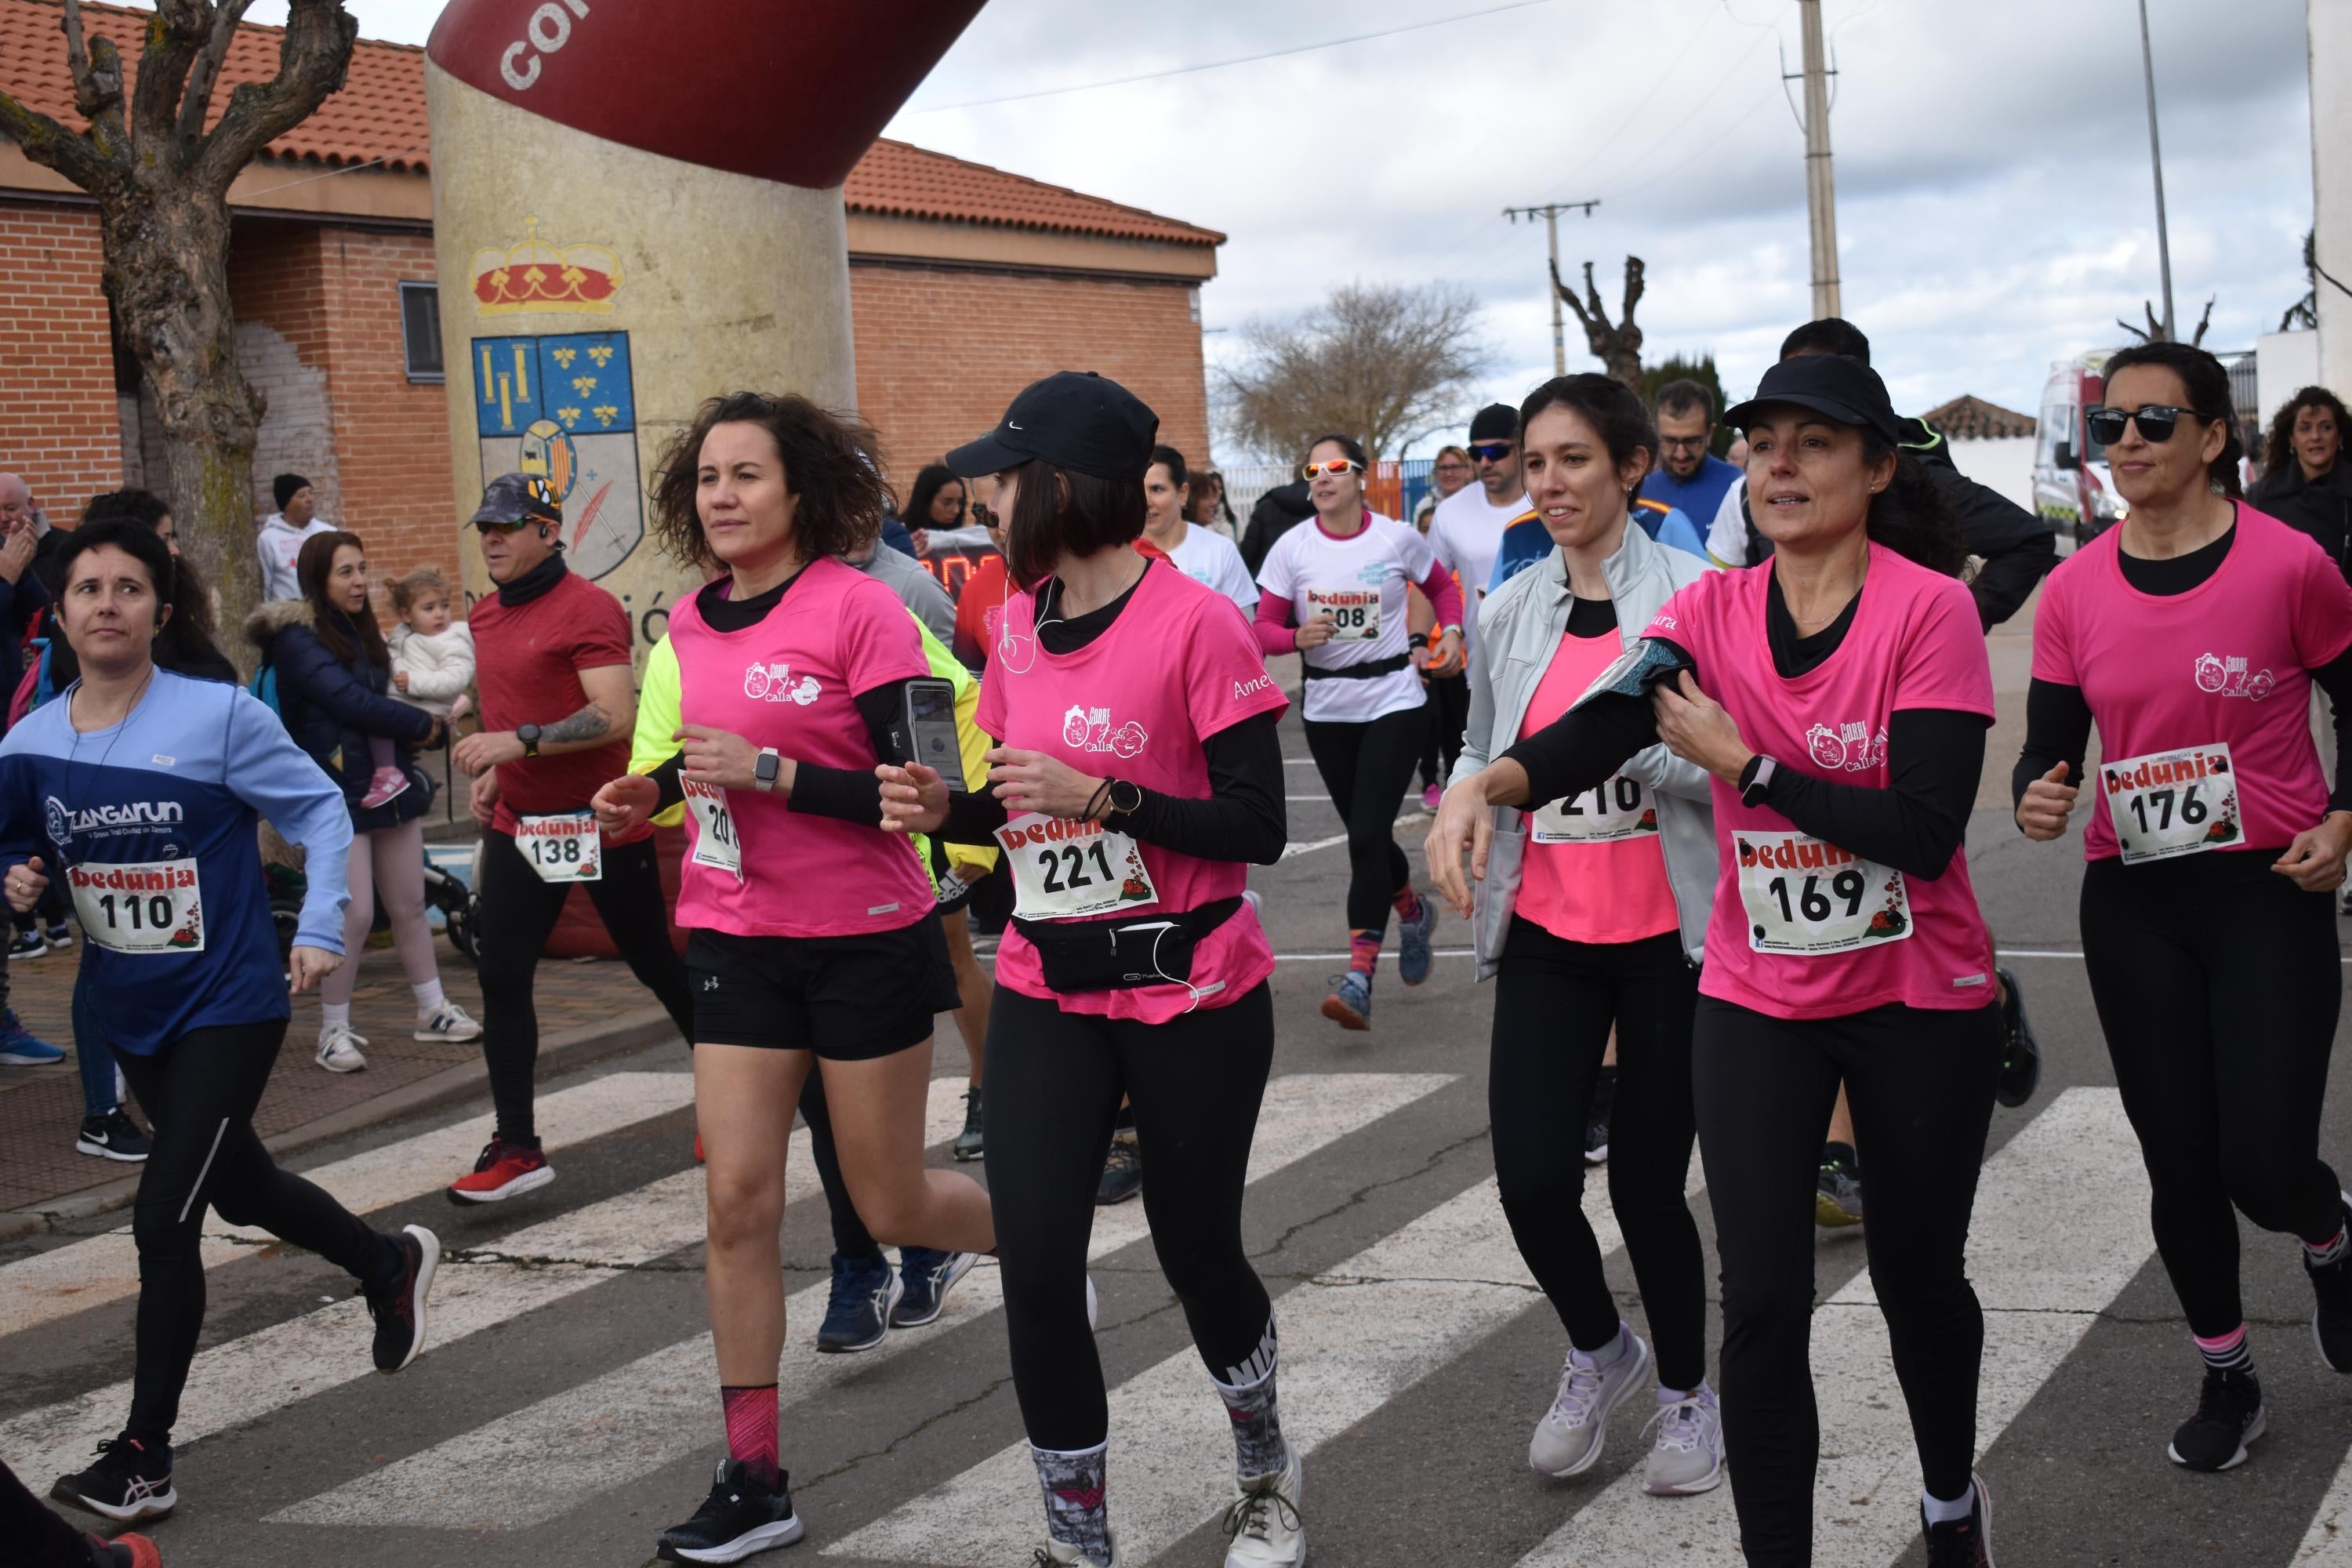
2156 157
1549 212
1821 187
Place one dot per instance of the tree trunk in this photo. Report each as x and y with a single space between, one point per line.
167 278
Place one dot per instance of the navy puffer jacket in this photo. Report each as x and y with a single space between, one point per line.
332 706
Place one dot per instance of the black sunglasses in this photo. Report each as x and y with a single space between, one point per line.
982 515
2156 422
1492 453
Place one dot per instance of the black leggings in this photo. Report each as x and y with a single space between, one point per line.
1449 712
200 1093
519 914
43 1539
1367 768
1054 1080
1920 1084
2218 982
1554 1002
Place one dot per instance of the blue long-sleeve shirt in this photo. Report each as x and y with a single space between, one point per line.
150 825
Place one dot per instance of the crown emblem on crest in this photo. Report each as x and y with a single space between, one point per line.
534 274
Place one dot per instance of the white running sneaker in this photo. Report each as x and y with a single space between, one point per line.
339 1049
452 1024
1568 1439
1056 1554
1687 1457
1264 1524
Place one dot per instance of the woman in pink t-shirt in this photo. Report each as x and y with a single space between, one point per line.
1839 694
1136 776
814 941
2192 634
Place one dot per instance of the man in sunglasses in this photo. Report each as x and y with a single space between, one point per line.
1468 527
558 706
1688 477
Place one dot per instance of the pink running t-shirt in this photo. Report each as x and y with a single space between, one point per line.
1914 642
791 683
1593 869
2227 664
1176 666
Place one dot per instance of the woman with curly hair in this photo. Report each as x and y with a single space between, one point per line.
813 937
2306 484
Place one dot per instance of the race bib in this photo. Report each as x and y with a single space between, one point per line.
1062 869
2173 803
1807 897
1618 808
716 841
139 909
565 848
1355 612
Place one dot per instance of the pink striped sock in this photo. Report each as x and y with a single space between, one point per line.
2226 1353
751 1431
1363 951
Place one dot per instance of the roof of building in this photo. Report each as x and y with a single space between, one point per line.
1968 418
378 119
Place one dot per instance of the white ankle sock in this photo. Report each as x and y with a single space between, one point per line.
429 999
1938 1511
330 1015
1612 1353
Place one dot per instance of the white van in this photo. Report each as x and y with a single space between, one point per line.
2072 486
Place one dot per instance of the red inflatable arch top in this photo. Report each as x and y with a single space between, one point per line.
793 91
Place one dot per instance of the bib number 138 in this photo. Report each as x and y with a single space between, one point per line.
561 849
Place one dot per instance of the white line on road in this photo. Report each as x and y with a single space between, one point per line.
1309 846
528 1467
86 1274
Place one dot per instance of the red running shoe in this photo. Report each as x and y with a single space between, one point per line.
505 1170
126 1552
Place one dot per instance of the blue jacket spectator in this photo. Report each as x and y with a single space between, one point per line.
1525 543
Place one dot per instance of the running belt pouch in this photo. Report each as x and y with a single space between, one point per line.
1120 955
1378 667
1631 674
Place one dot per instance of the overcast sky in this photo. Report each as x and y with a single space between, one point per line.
1993 198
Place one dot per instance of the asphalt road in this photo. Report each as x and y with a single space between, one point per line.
565 1411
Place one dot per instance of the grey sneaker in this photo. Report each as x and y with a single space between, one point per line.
1688 1455
1568 1439
969 1145
1837 1195
1413 952
1349 1005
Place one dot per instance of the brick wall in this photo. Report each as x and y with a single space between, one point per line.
278 293
392 439
939 353
58 423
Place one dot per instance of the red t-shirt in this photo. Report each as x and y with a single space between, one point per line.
980 610
528 661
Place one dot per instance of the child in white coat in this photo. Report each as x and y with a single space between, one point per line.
432 654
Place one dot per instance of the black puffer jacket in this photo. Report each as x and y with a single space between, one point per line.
2321 508
332 707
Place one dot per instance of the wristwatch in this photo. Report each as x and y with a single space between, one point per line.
767 769
529 735
1755 780
1126 804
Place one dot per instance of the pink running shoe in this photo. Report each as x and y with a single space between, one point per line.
386 784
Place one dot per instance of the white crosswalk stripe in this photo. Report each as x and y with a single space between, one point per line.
251 1378
2043 1270
85 1274
526 1467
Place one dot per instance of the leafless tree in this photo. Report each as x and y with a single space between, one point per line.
1385 363
161 180
2154 331
1618 347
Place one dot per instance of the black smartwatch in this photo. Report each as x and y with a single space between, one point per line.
529 735
1124 798
1755 780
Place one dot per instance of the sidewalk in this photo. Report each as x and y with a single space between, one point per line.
586 1009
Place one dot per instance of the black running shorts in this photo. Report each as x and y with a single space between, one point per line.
847 998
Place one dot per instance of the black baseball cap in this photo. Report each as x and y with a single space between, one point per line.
1496 422
1077 420
1837 385
511 498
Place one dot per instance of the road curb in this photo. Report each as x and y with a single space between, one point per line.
558 1052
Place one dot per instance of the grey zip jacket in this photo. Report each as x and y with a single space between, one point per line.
1519 628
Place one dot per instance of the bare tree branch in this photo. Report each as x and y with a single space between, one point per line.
51 145
196 103
1617 345
98 84
311 60
1382 364
172 37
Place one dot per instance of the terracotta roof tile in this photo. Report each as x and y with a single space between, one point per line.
379 118
1968 418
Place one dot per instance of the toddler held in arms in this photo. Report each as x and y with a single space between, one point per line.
432 662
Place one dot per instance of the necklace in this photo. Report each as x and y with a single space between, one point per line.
73 752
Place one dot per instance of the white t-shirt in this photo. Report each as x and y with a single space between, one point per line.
1209 558
1726 534
1465 535
1359 581
280 546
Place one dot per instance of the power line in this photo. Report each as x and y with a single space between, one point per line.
1636 112
1705 101
1236 60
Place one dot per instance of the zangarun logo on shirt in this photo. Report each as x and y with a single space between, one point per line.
2228 678
775 683
1090 729
63 824
1850 747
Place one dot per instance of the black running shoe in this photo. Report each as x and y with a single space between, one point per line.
857 1313
1837 1194
2331 1320
1596 1141
113 1136
399 1307
2229 1417
1122 1172
130 1482
739 1518
1962 1542
2021 1053
927 1275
